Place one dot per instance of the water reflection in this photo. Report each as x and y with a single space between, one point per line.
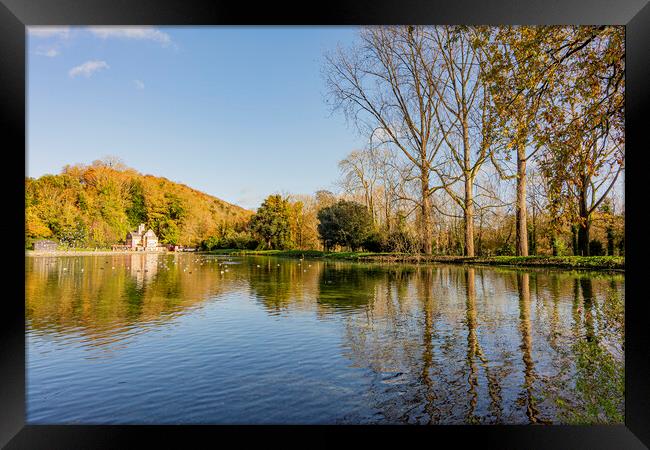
530 377
104 296
390 344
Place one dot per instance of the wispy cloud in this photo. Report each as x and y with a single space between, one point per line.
49 52
138 84
44 32
139 33
88 68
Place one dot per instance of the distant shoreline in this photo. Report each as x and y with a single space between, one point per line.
609 263
94 252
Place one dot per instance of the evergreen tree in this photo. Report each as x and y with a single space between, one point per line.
272 223
345 223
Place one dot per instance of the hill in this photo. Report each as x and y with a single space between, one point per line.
96 205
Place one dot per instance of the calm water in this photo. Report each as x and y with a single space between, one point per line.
214 339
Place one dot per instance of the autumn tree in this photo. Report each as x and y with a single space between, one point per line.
95 205
515 69
303 220
583 127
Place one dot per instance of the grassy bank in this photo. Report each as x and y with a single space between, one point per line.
568 262
353 256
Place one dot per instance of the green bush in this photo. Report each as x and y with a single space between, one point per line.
375 242
347 224
560 247
505 250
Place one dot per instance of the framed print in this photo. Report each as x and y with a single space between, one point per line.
266 221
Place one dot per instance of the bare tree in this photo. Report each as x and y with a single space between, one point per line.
112 161
359 174
383 86
466 116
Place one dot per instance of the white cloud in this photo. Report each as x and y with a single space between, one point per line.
43 32
138 84
49 52
140 33
88 68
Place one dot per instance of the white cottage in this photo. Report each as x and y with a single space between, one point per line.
141 240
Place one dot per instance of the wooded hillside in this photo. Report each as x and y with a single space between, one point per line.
96 205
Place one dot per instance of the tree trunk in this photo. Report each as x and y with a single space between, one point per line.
469 189
469 217
522 231
583 237
554 244
587 296
426 213
480 235
533 233
387 211
610 241
583 227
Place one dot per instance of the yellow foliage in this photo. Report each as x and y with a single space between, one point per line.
97 205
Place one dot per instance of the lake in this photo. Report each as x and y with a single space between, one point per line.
207 339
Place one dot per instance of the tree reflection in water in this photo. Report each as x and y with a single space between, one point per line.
436 344
523 280
436 386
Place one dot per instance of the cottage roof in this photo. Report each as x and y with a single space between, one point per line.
150 233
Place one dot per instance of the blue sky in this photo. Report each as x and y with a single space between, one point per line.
236 112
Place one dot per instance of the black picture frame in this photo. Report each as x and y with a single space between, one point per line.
15 15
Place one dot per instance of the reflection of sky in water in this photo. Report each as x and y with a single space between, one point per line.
179 338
